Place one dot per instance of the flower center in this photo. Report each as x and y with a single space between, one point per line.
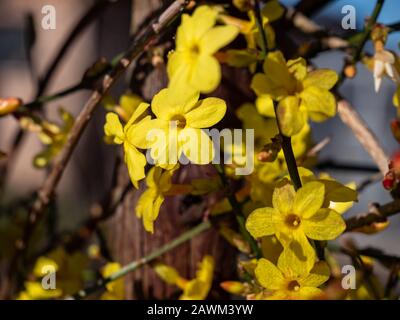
180 121
293 286
195 49
293 221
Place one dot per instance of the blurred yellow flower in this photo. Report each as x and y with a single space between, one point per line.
115 290
197 40
195 289
148 206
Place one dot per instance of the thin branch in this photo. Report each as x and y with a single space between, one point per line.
101 283
89 16
379 214
47 190
363 134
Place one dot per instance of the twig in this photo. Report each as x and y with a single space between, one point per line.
380 214
236 208
363 134
366 272
47 190
101 283
86 20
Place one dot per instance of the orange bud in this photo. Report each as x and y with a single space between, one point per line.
9 105
350 71
233 287
373 228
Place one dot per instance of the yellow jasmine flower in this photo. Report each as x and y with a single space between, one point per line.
177 129
54 137
290 280
132 136
115 290
126 106
296 217
148 206
195 289
301 94
197 41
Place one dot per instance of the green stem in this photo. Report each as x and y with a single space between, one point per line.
186 236
237 210
286 141
259 23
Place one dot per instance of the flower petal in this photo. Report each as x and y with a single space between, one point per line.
268 275
206 113
196 145
217 38
291 118
265 106
283 198
136 162
261 222
206 74
318 275
173 100
319 103
326 224
321 78
309 199
113 128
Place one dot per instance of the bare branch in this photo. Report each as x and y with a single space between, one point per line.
363 134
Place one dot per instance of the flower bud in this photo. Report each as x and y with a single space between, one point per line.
9 105
395 126
350 71
233 287
389 180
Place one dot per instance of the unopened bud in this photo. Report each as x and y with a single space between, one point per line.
233 287
270 150
350 71
389 180
9 105
395 126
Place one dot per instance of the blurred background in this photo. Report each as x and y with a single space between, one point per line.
89 173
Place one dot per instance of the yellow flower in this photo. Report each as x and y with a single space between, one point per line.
127 105
132 136
270 12
195 289
197 41
115 290
297 217
69 275
290 280
177 129
34 291
148 207
301 94
54 137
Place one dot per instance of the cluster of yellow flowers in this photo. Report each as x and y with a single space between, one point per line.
288 95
